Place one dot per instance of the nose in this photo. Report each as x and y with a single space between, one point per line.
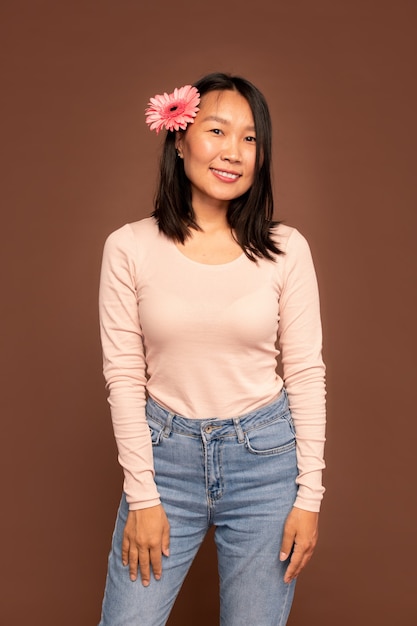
231 150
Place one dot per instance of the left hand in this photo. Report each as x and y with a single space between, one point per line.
300 536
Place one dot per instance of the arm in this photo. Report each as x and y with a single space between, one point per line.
146 532
300 339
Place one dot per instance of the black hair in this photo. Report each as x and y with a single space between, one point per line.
249 215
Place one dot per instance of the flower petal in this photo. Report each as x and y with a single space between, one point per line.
175 110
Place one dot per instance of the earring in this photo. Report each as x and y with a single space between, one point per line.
179 153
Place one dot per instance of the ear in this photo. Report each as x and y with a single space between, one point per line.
178 142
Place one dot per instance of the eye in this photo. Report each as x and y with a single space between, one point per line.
216 131
250 139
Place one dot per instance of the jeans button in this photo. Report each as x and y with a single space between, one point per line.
208 429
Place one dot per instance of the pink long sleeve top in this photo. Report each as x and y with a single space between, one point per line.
201 340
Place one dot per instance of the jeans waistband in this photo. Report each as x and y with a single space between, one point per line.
238 425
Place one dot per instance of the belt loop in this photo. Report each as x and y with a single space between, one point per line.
168 426
238 428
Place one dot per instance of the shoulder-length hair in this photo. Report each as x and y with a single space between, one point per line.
249 215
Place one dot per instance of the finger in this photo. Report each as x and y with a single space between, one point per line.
156 562
165 541
299 559
287 544
144 566
125 550
133 564
294 564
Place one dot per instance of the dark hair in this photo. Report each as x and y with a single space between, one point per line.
249 215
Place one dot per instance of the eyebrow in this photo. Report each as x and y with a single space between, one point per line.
214 118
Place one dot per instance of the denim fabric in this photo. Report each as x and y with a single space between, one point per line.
237 474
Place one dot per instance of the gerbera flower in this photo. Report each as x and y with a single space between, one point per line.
174 110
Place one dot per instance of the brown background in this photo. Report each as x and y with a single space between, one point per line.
79 161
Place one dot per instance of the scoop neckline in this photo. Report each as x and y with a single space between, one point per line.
213 265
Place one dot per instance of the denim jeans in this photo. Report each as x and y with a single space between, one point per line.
236 474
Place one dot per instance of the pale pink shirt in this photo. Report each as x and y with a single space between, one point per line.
201 340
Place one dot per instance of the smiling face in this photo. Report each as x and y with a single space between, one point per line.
219 150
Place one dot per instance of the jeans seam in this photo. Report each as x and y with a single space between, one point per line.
287 447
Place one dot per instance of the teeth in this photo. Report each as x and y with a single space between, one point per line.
226 174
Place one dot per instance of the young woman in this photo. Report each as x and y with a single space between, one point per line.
192 301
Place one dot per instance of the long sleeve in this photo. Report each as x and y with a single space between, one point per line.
124 367
300 340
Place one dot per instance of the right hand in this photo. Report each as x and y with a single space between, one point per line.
145 540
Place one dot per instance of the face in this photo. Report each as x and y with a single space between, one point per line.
219 149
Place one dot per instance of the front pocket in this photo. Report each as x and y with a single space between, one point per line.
276 437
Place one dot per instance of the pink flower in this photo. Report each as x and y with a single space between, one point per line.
174 111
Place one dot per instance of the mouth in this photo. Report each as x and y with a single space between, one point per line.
225 175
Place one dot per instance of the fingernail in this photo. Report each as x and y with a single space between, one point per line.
283 556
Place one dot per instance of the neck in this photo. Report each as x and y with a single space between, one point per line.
212 218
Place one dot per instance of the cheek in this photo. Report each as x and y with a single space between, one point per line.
198 150
197 158
251 167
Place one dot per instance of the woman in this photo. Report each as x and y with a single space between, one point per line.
192 302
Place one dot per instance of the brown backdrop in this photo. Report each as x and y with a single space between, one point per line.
79 162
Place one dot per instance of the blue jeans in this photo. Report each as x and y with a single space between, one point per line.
236 474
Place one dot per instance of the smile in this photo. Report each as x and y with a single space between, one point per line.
223 174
